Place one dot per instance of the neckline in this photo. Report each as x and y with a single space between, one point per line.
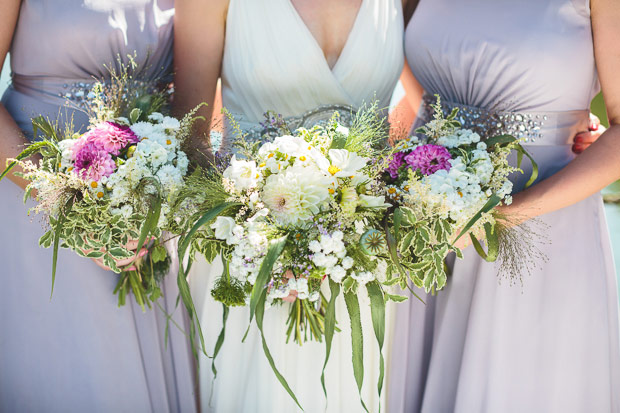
316 44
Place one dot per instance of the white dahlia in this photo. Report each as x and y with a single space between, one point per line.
296 194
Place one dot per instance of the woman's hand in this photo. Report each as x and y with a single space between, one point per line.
292 296
126 262
584 139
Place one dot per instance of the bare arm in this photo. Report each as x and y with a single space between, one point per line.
600 164
403 115
12 141
199 30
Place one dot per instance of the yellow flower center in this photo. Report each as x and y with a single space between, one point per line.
302 158
69 169
331 190
333 169
262 165
309 147
168 142
99 194
270 155
391 191
59 165
406 188
257 176
94 184
460 194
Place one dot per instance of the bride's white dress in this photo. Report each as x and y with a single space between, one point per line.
272 62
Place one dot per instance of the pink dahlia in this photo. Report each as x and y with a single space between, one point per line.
92 162
429 159
398 159
111 136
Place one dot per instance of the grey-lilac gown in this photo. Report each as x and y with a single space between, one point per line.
79 351
552 344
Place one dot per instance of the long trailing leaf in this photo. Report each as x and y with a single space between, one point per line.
218 345
357 341
29 151
150 222
521 151
194 321
206 218
260 313
377 309
330 326
273 253
493 201
492 244
62 217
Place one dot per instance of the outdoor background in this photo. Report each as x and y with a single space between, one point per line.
598 108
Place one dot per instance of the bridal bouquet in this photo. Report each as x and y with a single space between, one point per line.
292 214
446 184
114 183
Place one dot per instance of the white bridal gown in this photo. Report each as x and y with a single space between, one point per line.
272 62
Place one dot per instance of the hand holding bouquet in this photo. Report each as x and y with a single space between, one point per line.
102 190
446 184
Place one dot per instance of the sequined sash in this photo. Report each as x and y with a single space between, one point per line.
536 128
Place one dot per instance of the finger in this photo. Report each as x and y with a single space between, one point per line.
127 261
577 148
291 297
289 274
586 137
595 122
100 264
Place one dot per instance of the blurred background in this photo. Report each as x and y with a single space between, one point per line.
612 193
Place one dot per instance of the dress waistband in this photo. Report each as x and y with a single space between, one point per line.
535 128
63 91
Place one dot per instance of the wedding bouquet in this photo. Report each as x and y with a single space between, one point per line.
114 183
292 214
446 183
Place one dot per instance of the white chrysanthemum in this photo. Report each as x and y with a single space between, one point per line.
170 123
142 129
295 195
347 263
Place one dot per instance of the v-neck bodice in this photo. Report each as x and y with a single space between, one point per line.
272 62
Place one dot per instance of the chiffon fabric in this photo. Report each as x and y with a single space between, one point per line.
552 343
79 351
272 62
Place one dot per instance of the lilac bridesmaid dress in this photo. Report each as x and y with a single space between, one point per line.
552 344
78 351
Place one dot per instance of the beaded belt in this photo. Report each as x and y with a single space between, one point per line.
535 128
320 116
61 91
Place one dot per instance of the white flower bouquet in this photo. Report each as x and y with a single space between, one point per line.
296 217
446 183
112 184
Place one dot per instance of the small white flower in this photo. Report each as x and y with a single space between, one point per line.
347 263
243 173
337 274
223 227
368 201
314 246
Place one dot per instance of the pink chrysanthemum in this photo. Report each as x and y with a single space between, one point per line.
398 159
111 136
92 162
429 159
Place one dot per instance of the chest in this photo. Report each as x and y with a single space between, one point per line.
330 23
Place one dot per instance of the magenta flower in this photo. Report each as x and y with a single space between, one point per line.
429 159
398 159
111 136
92 162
